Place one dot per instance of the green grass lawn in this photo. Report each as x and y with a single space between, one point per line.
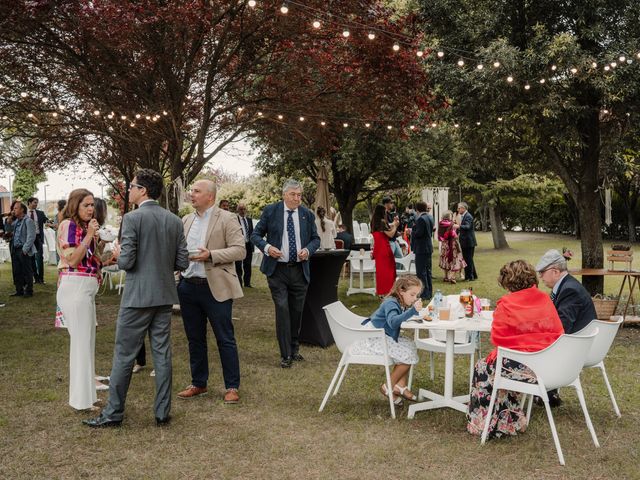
276 430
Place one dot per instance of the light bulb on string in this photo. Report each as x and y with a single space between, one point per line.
316 24
96 113
259 114
527 87
499 119
323 123
419 53
613 64
123 117
594 65
137 115
480 66
132 124
440 54
44 100
164 112
301 119
54 114
284 9
79 111
496 64
605 111
574 70
461 63
251 3
280 117
434 125
345 125
554 68
412 127
622 58
24 94
542 80
478 123
30 115
456 125
240 109
607 68
389 127
509 79
346 34
367 125
110 116
147 117
396 47
62 107
371 36
638 54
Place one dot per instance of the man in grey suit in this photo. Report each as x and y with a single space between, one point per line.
152 247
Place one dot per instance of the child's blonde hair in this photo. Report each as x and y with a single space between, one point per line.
402 284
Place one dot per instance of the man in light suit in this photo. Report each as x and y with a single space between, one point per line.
39 219
207 289
291 238
422 247
152 248
243 267
468 241
22 251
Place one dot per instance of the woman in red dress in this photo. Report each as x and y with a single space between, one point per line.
382 253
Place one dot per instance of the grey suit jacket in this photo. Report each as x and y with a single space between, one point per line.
153 247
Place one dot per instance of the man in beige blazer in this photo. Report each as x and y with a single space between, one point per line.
207 289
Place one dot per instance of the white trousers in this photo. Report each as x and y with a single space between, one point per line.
76 298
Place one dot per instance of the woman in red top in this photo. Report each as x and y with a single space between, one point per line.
526 320
382 253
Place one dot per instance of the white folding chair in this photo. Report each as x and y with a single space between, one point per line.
368 266
356 230
407 264
346 329
558 365
595 359
465 343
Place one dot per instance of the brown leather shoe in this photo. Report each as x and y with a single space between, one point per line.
231 396
192 391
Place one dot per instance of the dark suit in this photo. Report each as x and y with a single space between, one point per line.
153 246
468 245
288 281
37 262
22 253
243 267
422 247
574 305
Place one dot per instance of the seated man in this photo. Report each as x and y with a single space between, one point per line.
572 301
345 236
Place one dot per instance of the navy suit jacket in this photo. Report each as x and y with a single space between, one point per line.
421 233
574 305
467 233
271 225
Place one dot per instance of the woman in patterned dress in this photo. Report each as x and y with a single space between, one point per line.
525 319
451 260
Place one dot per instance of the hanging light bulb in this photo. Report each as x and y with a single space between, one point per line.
137 115
456 125
554 68
412 127
345 125
594 65
480 67
509 79
346 34
123 117
396 47
371 36
301 119
419 53
499 119
24 94
607 68
284 9
527 87
30 115
132 124
434 125
164 112
461 63
574 70
440 54
79 111
389 127
44 100
54 114
613 64
280 117
240 109
605 111
622 58
542 80
638 54
316 24
323 123
259 114
478 123
367 125
96 112
62 107
496 64
251 3
147 117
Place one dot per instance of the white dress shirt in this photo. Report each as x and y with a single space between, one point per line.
285 236
196 239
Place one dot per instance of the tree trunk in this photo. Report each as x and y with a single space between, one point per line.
631 224
497 232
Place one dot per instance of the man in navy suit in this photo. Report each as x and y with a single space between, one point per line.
422 247
243 267
39 218
291 238
467 241
572 301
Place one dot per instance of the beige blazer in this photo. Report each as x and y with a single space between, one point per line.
225 242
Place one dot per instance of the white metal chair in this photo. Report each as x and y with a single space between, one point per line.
345 333
465 343
558 365
368 266
111 272
595 359
408 264
356 230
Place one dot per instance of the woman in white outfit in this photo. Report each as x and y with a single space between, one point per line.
79 271
326 229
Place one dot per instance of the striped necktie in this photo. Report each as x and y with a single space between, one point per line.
553 296
291 233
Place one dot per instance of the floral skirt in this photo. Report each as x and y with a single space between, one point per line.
508 418
402 351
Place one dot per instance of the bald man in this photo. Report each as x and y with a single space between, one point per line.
207 289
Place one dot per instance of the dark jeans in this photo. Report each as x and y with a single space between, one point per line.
288 289
23 273
197 304
245 265
470 269
37 261
423 272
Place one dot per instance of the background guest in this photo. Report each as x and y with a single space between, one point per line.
224 204
345 236
22 251
451 260
291 239
422 247
39 218
79 269
243 267
382 253
468 241
524 320
326 229
390 217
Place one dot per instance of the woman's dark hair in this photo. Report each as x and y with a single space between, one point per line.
61 204
378 222
73 205
321 213
517 275
151 180
100 210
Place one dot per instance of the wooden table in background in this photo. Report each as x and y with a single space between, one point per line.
630 278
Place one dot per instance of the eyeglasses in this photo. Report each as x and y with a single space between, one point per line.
131 185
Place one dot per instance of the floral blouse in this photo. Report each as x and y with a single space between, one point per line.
69 236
